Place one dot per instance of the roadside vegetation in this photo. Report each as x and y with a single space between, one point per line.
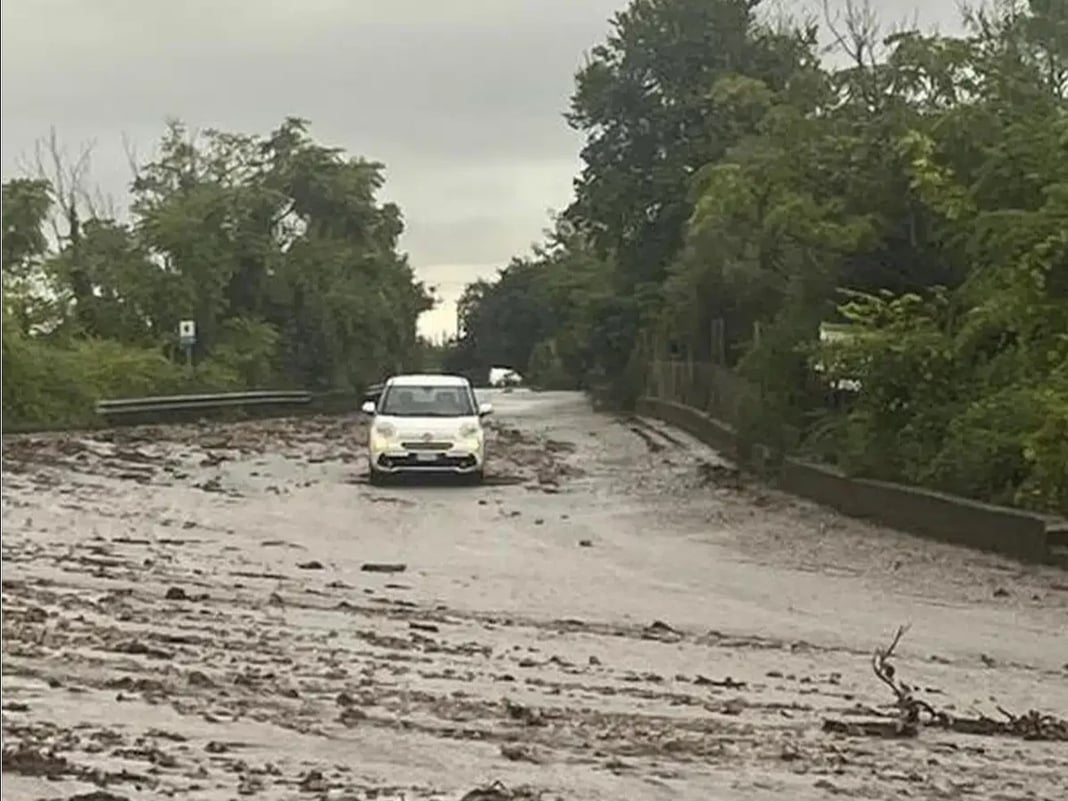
740 189
275 245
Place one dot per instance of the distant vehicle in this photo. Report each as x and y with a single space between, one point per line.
426 424
504 377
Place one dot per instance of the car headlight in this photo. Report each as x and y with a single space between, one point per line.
385 430
470 431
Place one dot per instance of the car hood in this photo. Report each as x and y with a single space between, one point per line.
417 427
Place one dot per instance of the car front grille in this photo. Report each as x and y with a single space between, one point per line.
426 446
441 461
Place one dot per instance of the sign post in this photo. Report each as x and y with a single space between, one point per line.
187 338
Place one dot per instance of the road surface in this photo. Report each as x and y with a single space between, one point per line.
232 611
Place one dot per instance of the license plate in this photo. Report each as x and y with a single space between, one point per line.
426 457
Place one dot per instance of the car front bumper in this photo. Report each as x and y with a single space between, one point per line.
393 458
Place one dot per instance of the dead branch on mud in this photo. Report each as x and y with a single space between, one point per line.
909 707
914 713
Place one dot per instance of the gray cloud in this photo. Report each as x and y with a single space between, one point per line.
461 99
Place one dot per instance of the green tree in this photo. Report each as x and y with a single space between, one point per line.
732 185
276 246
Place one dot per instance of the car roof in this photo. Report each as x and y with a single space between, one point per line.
427 380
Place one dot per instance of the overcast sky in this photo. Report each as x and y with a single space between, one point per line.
461 99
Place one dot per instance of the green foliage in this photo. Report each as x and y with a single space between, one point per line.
736 196
546 369
249 349
26 203
46 385
275 246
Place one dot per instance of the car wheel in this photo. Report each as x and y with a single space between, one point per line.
377 478
476 478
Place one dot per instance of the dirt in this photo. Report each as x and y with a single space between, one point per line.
233 611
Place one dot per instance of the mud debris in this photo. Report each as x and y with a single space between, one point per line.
518 752
383 567
720 475
727 683
503 653
659 630
914 714
28 760
497 791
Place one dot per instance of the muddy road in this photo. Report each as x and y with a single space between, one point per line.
220 612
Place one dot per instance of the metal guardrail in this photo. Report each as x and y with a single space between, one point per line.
182 405
190 408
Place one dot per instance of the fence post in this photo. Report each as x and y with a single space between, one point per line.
689 401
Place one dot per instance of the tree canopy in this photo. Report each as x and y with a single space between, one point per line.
733 181
275 246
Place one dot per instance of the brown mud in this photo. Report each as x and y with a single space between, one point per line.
216 612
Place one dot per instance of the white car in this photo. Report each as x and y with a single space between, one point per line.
426 423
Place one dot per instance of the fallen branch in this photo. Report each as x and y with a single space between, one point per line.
909 707
498 792
914 713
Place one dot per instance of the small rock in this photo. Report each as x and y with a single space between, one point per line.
659 630
585 543
311 565
351 716
176 594
735 706
728 682
383 567
517 752
313 781
1001 592
198 679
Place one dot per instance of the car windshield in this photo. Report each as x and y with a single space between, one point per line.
427 401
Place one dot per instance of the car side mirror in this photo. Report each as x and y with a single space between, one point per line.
485 409
368 408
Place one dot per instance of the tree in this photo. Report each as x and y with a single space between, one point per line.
918 195
276 246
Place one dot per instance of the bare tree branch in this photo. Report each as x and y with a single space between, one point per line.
68 178
133 160
1032 725
856 30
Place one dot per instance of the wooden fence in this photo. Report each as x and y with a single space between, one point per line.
705 386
